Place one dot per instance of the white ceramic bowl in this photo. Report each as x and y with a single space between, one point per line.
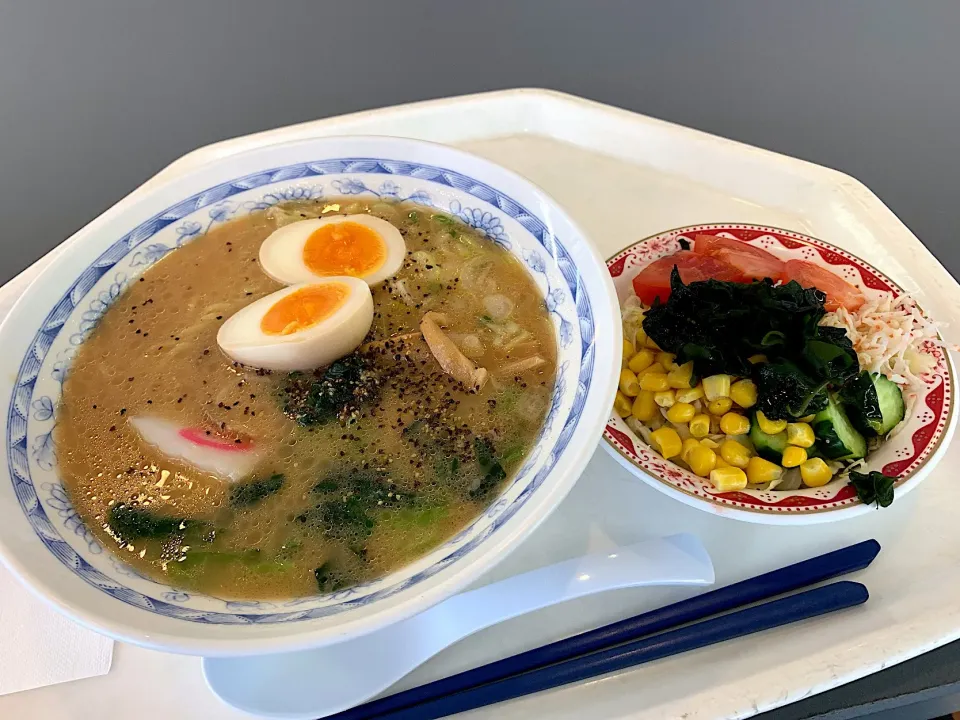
45 543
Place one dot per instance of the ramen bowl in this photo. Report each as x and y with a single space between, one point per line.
46 544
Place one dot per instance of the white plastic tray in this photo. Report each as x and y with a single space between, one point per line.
624 176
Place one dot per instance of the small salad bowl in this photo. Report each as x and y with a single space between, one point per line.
908 454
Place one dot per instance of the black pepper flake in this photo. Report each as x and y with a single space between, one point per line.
206 351
113 428
130 379
123 411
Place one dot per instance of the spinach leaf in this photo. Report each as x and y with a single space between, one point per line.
491 470
348 497
253 492
131 523
873 487
322 396
328 578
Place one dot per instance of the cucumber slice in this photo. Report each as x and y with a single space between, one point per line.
874 403
769 447
837 439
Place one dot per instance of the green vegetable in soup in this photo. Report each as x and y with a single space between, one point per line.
320 397
253 492
873 487
132 523
329 579
491 471
348 498
195 563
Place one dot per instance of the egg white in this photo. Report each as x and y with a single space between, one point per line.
242 339
281 254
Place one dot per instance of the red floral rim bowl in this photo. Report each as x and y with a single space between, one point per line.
909 455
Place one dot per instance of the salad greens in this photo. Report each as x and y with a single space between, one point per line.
873 487
719 325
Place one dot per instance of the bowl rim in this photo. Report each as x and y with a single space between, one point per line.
770 516
567 466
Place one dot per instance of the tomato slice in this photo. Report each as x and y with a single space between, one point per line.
753 262
654 280
839 292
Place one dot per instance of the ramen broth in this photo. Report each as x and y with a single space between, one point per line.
342 491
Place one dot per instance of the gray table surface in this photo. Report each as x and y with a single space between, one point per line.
97 95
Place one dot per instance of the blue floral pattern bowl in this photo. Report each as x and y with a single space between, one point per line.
46 543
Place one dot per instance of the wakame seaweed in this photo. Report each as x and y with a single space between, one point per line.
253 492
873 487
718 325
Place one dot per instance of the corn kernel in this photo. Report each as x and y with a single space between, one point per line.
641 338
654 381
680 376
666 440
716 386
793 457
758 358
641 361
721 463
800 434
762 471
734 424
702 460
644 408
667 359
688 445
815 472
651 343
689 394
770 427
654 368
629 385
720 406
807 418
700 425
681 413
734 453
707 442
744 393
628 352
622 404
665 398
728 479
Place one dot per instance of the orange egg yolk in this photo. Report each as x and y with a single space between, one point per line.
304 308
346 248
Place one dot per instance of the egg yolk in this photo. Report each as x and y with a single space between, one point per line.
304 308
346 248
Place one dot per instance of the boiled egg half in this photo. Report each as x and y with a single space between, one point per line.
360 246
301 327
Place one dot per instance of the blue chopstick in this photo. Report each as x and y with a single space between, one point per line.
761 587
774 613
